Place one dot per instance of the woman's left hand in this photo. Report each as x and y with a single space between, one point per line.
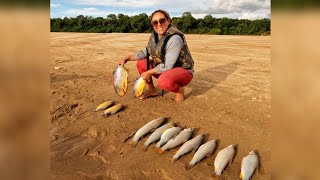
146 76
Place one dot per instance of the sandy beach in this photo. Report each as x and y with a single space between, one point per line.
229 99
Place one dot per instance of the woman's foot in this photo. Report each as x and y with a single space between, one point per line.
180 95
149 94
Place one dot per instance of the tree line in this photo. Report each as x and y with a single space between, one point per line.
141 24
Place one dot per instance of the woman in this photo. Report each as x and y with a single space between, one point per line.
171 62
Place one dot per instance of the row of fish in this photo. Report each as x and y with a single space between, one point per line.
109 108
169 136
120 76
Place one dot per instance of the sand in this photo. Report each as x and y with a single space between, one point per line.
229 99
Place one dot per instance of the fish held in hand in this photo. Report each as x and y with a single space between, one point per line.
112 110
222 159
139 86
205 150
188 146
249 165
104 105
156 135
120 77
153 124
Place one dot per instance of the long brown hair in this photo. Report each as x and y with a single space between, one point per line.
165 13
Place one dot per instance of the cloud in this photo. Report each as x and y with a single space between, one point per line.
95 12
230 6
200 8
253 16
53 5
118 3
90 11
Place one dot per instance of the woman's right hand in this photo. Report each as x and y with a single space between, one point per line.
122 61
131 57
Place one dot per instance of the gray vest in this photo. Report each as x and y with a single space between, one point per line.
157 49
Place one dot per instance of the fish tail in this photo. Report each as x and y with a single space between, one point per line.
145 148
133 143
158 145
160 151
173 160
106 114
188 166
218 177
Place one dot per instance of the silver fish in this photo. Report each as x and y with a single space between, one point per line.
188 146
222 159
112 110
153 124
205 150
181 138
120 76
249 165
156 135
167 135
104 105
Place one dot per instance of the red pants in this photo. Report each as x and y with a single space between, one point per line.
170 80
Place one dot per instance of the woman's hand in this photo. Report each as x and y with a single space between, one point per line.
146 76
131 57
123 61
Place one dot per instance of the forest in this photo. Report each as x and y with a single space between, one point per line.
141 24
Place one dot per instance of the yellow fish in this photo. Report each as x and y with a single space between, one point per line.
120 76
104 105
112 110
139 86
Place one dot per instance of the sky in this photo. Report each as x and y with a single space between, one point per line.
236 9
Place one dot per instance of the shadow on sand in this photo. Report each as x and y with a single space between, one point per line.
207 79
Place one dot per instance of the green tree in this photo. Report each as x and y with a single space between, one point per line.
139 23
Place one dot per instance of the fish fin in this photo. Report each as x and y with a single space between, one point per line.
164 131
258 169
188 166
209 154
130 135
195 149
207 164
133 143
160 151
241 177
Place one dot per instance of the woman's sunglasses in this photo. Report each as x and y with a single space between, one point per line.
160 21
